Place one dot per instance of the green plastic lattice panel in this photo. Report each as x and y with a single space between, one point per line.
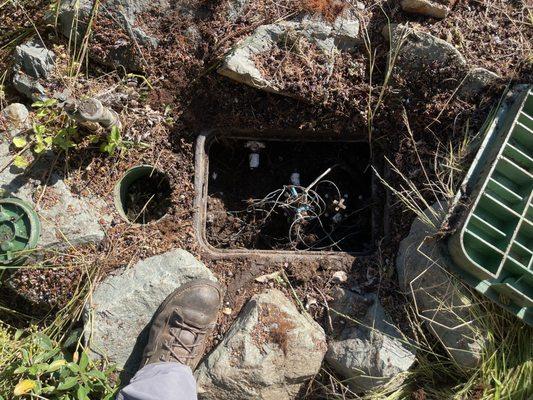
493 249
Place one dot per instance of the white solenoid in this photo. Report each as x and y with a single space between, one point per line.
255 148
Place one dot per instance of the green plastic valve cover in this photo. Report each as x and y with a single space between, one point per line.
20 229
492 249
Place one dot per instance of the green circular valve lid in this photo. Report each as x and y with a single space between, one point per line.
20 229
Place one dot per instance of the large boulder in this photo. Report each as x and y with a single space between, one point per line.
118 317
440 299
329 38
372 352
268 353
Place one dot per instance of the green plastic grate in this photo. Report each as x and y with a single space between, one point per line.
20 230
493 248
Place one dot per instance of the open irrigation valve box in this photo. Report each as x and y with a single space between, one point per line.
492 246
286 196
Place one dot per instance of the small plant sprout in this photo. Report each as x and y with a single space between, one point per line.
114 142
43 371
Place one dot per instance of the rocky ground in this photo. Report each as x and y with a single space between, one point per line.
414 78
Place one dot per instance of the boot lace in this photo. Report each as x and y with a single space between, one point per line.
175 331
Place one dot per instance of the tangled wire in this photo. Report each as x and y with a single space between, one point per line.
313 217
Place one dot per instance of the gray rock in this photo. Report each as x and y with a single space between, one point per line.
268 353
369 354
66 219
29 87
345 31
476 82
427 7
33 65
418 50
440 299
72 16
34 59
118 317
235 8
239 65
17 118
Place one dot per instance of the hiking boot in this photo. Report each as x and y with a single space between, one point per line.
182 322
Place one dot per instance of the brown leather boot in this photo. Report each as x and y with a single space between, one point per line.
182 323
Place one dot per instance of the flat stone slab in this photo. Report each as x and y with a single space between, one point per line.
118 318
67 220
270 351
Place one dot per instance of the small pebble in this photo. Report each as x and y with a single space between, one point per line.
226 311
340 276
311 302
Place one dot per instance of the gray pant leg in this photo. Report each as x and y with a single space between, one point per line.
161 381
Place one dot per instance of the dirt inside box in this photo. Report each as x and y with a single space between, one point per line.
289 195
